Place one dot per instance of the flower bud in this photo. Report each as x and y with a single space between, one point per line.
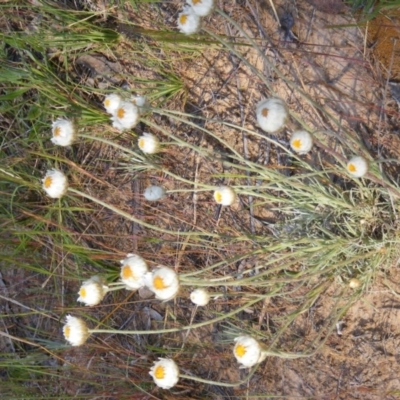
200 297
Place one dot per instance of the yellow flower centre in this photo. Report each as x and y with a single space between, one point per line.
196 2
296 143
120 113
142 143
107 102
82 292
183 18
57 131
264 112
67 331
240 350
48 181
127 272
218 197
352 167
159 372
159 284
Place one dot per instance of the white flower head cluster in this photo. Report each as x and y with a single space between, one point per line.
301 142
165 373
63 131
126 116
55 183
163 282
133 271
75 331
225 195
248 351
201 7
188 21
200 297
92 291
149 143
154 193
272 114
357 166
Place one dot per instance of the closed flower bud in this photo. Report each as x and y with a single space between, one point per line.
139 101
272 114
248 351
354 283
201 7
133 271
149 143
225 196
92 291
55 183
301 142
154 193
63 132
200 297
188 21
75 331
357 167
126 116
112 102
165 373
163 282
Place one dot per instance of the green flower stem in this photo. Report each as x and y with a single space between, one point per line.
110 143
184 328
130 217
112 289
257 281
193 125
214 383
150 165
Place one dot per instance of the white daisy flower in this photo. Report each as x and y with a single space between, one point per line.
92 291
301 142
165 373
201 7
357 167
163 282
133 271
75 331
200 297
63 132
154 193
188 21
248 351
126 116
272 114
112 102
225 195
148 143
55 183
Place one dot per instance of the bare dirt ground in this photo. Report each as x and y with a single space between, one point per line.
337 66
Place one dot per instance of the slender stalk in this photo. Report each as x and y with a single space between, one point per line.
184 328
216 383
136 220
